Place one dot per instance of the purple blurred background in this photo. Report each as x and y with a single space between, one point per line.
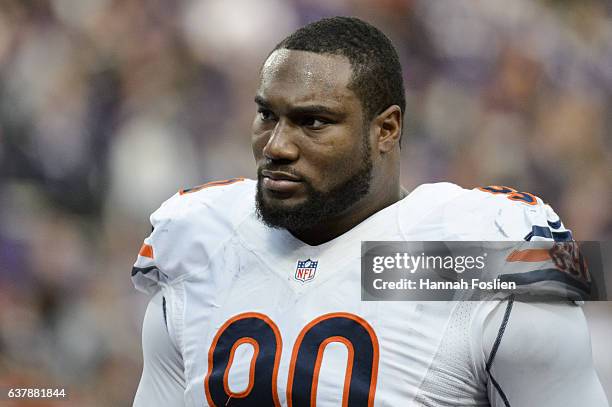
109 107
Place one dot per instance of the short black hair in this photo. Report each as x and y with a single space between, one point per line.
377 73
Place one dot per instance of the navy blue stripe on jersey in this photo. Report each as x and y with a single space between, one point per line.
500 333
309 351
565 236
258 330
550 274
164 309
555 225
543 231
499 390
498 339
143 270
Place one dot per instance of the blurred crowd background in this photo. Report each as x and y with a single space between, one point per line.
108 107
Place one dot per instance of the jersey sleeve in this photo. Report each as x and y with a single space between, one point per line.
147 272
539 354
542 257
162 382
187 231
523 216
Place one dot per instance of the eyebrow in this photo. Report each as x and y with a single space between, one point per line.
261 101
303 110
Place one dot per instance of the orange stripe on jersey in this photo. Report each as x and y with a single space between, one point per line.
211 184
529 255
146 251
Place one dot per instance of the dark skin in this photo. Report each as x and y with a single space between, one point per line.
310 125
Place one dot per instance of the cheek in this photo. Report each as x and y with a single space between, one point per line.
334 165
258 142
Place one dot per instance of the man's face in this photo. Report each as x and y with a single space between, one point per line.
309 140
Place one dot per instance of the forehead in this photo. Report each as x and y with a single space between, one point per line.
297 77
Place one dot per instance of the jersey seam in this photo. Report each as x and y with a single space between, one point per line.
496 345
499 390
477 360
172 324
500 333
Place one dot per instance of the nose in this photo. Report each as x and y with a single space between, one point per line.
280 145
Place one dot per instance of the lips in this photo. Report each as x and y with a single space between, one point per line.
280 182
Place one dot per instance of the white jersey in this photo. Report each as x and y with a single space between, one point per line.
260 318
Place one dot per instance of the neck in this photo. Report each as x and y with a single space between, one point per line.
331 228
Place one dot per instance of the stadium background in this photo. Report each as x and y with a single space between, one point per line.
108 107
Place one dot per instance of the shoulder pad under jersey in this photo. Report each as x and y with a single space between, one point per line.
545 259
188 229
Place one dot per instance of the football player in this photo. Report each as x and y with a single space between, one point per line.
256 284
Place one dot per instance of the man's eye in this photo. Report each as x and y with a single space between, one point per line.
314 123
265 115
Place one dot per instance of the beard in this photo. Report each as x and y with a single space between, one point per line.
320 206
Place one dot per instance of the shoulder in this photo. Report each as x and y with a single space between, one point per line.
539 256
492 213
225 198
504 213
189 228
542 258
436 191
421 212
217 206
519 215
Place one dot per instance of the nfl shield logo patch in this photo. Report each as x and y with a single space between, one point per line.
306 270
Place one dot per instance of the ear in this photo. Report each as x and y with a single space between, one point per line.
389 128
